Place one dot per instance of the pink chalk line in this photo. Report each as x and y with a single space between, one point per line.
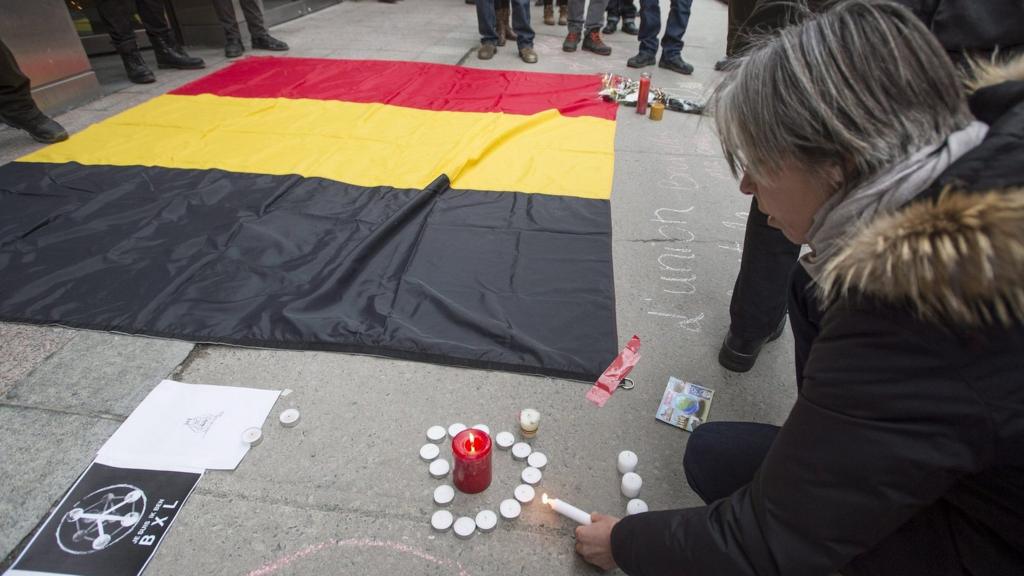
356 543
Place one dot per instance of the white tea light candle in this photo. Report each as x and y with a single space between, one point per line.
631 483
627 462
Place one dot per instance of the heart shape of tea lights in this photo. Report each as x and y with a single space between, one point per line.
472 449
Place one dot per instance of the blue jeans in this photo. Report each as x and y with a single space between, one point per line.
488 22
675 28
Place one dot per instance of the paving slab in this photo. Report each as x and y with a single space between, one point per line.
42 453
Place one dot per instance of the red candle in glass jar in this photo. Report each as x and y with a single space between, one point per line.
471 451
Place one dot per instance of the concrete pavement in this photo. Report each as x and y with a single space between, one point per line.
345 491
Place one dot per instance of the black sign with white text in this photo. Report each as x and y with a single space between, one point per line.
109 524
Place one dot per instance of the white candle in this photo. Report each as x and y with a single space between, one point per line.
444 494
529 421
464 527
436 433
538 460
439 468
568 510
636 506
524 493
289 418
442 520
505 440
510 509
486 520
483 428
531 475
631 483
521 450
627 462
454 429
429 451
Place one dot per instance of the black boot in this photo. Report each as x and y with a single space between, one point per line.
738 354
268 42
39 126
170 55
233 48
136 67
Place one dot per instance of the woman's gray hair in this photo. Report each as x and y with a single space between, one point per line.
859 87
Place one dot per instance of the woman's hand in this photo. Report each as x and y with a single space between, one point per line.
594 542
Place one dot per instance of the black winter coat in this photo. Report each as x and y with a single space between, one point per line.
911 394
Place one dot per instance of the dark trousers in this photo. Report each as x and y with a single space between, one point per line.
117 16
675 27
253 19
762 286
739 12
487 21
625 9
560 2
722 457
15 88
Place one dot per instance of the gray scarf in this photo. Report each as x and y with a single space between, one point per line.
843 214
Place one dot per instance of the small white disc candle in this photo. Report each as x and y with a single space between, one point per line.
538 460
636 506
289 418
454 429
521 450
505 440
442 520
464 527
444 494
486 520
531 476
525 493
631 483
510 509
627 462
440 468
252 437
485 429
436 433
429 451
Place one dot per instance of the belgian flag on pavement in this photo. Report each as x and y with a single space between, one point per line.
410 210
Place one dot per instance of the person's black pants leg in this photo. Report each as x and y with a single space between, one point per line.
226 15
722 457
15 87
154 19
761 290
253 18
117 17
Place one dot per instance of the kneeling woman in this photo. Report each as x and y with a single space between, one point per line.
904 452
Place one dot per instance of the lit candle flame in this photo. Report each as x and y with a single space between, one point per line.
472 443
544 498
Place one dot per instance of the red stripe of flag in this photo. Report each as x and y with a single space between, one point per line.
410 84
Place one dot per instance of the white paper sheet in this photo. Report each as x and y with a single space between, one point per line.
188 426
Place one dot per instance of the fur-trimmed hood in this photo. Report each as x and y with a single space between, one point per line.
956 253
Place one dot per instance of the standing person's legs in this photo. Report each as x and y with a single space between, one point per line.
739 12
612 20
225 10
117 17
154 19
595 15
675 28
254 18
722 457
650 26
17 108
758 305
576 9
487 22
15 87
523 30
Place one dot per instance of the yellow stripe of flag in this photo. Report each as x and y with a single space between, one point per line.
355 143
